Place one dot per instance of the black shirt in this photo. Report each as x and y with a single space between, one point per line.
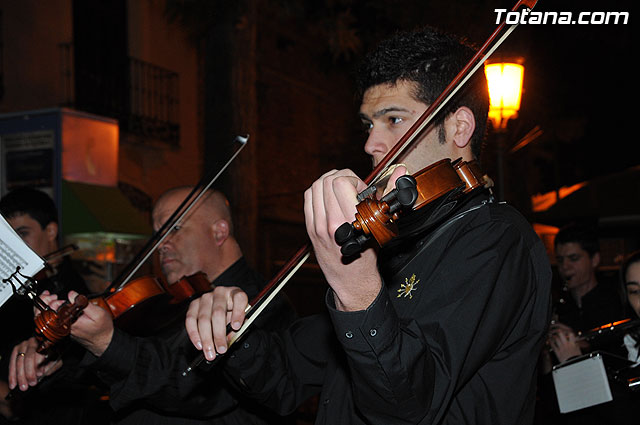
145 379
600 306
452 338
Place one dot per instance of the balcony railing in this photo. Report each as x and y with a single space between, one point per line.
153 101
143 97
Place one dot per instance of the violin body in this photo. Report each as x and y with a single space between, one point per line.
188 287
131 295
144 305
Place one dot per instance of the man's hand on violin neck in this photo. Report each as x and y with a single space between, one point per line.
49 299
208 316
93 329
328 203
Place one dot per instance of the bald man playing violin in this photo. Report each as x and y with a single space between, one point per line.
442 327
137 370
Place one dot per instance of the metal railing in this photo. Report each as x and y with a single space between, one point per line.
153 101
144 97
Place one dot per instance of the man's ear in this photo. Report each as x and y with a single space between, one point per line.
51 231
465 124
220 231
595 260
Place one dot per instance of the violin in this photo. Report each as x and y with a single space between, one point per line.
141 306
55 256
189 287
130 303
53 259
138 307
131 307
377 218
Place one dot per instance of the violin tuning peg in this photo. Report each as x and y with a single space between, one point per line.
407 197
404 195
344 233
406 181
353 246
349 240
407 190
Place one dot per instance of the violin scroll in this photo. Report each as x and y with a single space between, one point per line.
52 326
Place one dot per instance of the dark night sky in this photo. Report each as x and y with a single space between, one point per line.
578 80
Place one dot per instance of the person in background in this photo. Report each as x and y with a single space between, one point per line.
630 279
34 216
142 372
589 304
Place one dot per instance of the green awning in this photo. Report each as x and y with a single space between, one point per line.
88 208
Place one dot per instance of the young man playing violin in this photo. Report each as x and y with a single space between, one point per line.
139 371
446 325
34 216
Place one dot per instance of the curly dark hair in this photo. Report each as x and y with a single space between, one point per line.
430 59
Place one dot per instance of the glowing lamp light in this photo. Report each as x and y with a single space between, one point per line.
505 91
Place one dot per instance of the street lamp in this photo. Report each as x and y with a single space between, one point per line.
505 91
504 80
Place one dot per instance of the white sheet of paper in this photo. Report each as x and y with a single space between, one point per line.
15 252
581 384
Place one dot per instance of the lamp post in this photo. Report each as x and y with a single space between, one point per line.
505 91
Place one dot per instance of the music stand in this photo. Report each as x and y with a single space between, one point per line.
584 380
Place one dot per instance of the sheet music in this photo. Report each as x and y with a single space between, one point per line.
15 252
581 384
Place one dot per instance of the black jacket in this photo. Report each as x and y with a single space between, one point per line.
144 374
452 338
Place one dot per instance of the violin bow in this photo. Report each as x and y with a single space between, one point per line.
268 293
